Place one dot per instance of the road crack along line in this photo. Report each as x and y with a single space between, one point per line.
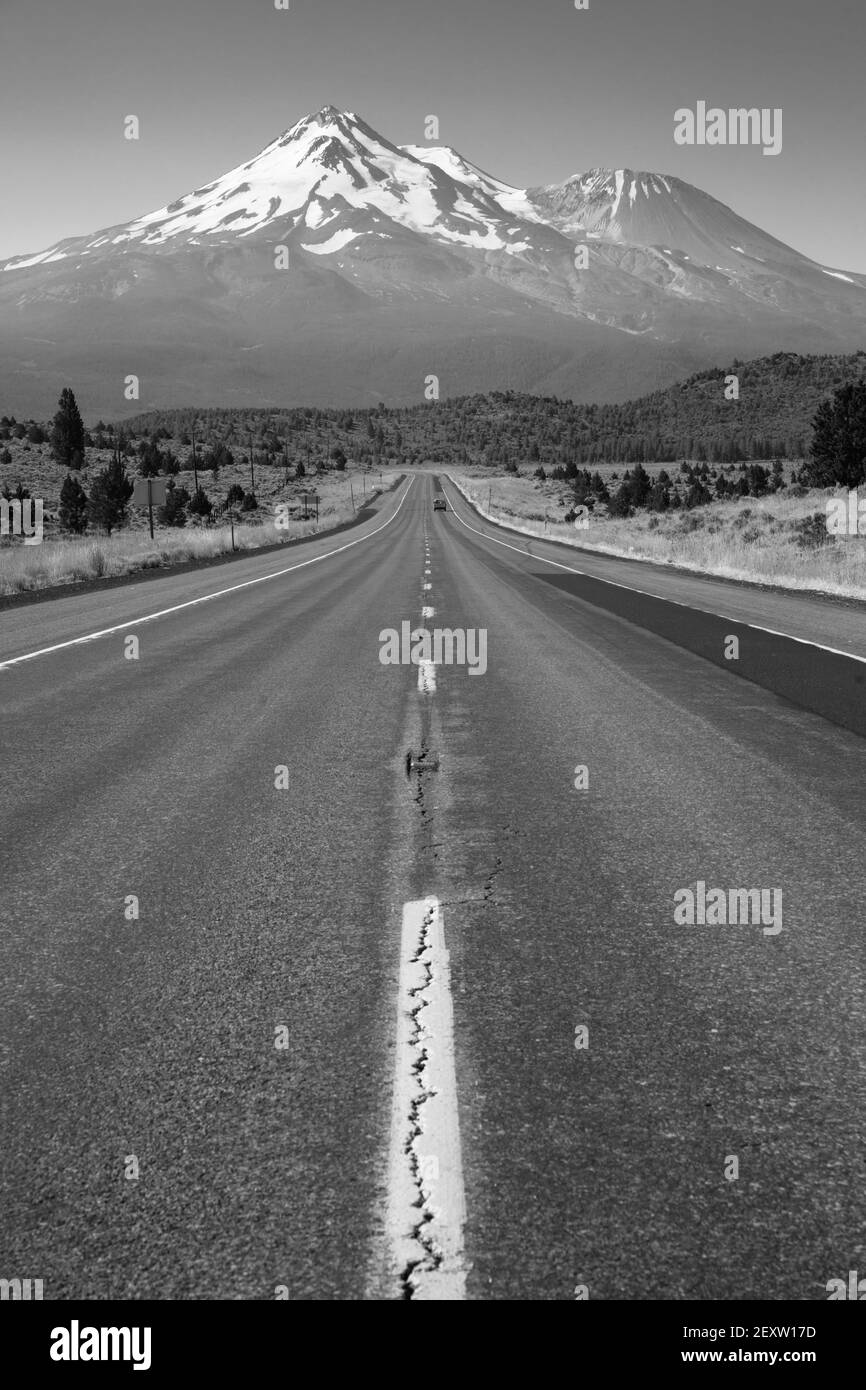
426 1202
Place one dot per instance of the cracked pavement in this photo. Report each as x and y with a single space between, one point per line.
262 908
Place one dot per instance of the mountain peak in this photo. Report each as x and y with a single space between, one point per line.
327 118
329 115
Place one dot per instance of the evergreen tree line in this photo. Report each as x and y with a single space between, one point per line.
106 506
778 397
835 455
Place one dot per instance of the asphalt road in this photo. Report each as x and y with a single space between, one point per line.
274 915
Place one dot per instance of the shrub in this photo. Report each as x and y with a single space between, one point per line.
810 532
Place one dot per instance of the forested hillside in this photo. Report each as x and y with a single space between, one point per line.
772 417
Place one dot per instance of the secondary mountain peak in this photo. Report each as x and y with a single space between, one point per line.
639 208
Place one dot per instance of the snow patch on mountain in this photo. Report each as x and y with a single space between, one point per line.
334 243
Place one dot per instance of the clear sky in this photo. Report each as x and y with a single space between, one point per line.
531 90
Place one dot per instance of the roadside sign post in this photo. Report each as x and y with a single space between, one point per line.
150 493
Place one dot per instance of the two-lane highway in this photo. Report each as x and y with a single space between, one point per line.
198 1101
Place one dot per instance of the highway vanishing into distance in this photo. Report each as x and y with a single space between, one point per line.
325 978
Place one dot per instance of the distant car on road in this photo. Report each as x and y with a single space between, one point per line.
439 504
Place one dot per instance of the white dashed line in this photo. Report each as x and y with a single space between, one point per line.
427 677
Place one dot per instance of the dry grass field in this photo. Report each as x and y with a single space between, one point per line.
63 559
779 539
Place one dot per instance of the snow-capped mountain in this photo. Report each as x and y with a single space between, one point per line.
628 206
331 168
407 260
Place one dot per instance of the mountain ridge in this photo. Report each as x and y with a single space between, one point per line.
405 261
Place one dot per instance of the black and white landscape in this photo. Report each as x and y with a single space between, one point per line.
432 671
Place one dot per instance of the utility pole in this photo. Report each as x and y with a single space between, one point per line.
252 470
286 479
194 465
150 505
351 494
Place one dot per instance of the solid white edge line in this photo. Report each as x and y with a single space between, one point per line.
203 598
616 584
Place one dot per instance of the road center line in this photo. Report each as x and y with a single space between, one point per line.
427 677
426 1206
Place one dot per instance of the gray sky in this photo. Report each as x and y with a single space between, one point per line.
531 90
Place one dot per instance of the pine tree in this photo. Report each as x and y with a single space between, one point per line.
838 452
109 496
200 504
67 436
173 513
73 506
